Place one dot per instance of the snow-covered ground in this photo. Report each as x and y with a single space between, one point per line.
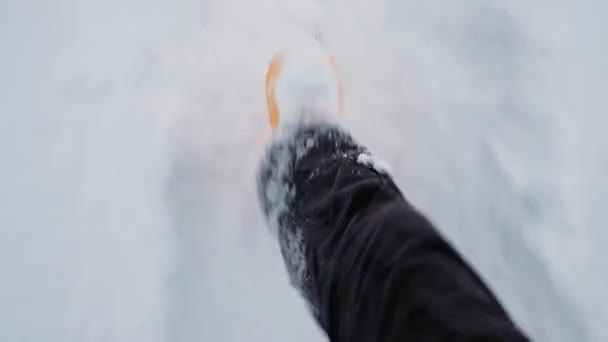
130 131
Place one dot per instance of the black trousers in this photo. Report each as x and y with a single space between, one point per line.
371 267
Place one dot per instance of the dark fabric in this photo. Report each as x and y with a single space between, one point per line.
375 268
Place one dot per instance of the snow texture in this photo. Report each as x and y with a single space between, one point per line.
374 163
307 83
131 132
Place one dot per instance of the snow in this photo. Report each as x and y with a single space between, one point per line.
131 131
306 83
373 162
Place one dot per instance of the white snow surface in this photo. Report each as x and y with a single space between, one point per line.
131 131
307 86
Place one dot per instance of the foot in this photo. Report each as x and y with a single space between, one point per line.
301 84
